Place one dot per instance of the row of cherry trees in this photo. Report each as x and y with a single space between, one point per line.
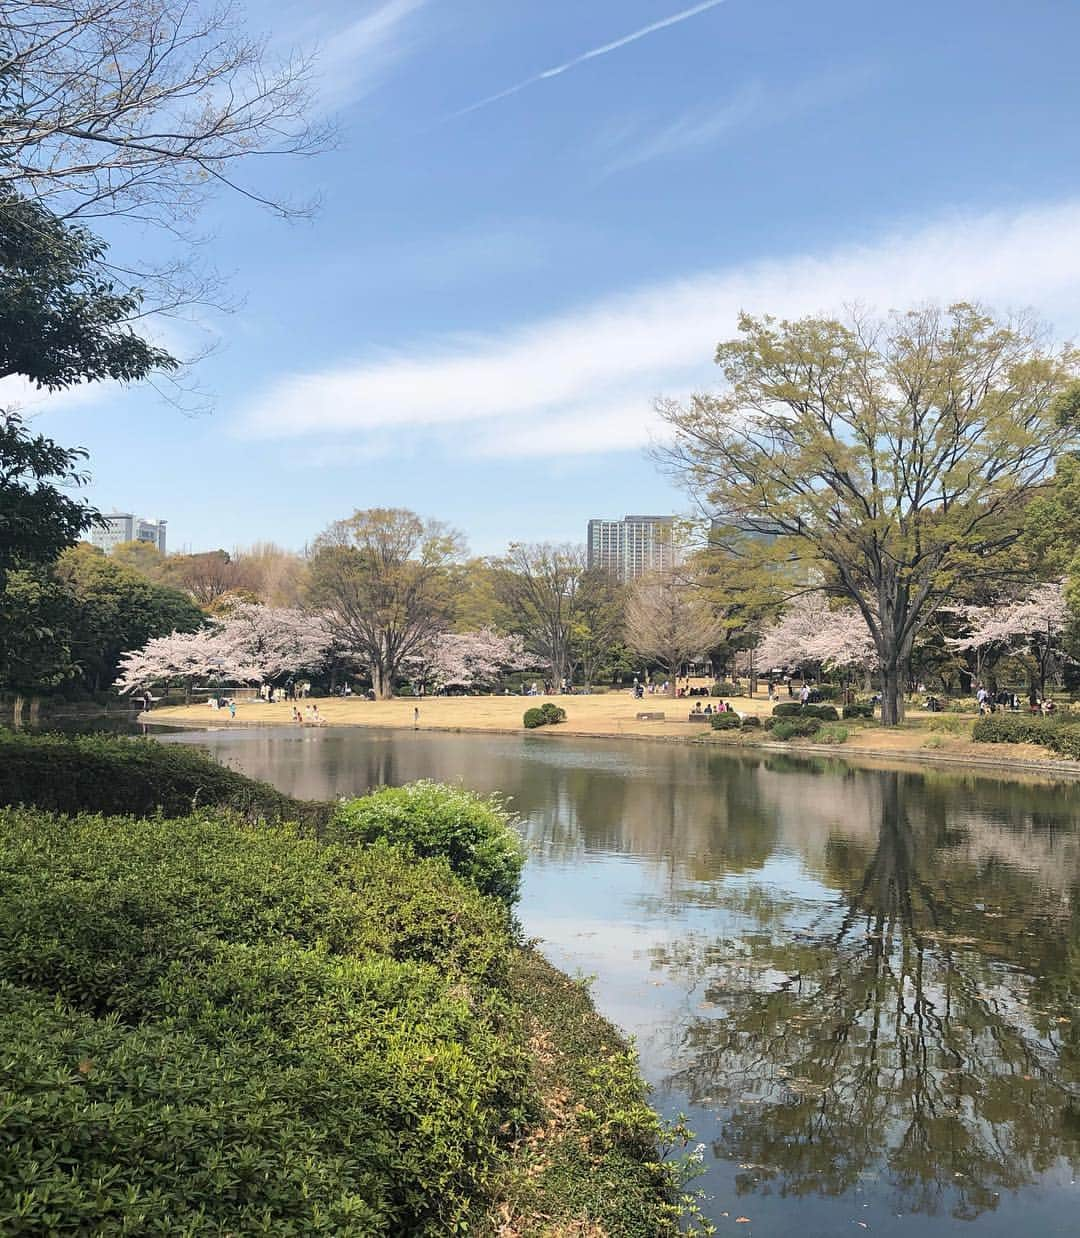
261 644
1029 626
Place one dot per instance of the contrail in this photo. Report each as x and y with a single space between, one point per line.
592 54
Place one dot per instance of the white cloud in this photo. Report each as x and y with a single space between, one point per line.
354 60
753 106
585 381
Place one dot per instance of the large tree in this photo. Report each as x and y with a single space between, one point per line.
383 581
599 622
896 456
538 586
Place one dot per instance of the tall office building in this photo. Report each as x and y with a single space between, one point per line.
633 546
125 527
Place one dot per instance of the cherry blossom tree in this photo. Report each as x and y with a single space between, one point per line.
1029 625
471 660
810 630
669 621
252 644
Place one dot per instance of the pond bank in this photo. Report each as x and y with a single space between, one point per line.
462 1080
613 717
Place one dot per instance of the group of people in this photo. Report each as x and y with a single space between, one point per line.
721 707
223 702
309 717
653 689
292 691
989 702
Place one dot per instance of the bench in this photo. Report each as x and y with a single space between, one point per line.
652 716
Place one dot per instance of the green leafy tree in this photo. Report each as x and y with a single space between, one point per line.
113 609
63 323
35 634
599 622
384 582
897 457
538 587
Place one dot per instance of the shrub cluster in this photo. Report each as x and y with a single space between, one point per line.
544 715
1059 735
231 1030
475 835
117 776
795 728
751 721
793 709
858 711
726 721
726 688
832 733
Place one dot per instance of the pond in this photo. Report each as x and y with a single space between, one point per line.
860 984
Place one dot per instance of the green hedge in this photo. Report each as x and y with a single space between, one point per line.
793 709
534 718
725 721
858 711
1057 734
796 728
751 721
475 835
218 1029
120 777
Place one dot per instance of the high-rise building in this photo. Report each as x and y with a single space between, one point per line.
125 527
633 546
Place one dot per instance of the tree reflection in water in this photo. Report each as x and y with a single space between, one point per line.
920 1031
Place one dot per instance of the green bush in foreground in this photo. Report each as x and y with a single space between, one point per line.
210 1029
751 721
832 733
119 776
1058 734
726 722
475 835
533 718
787 709
552 713
795 728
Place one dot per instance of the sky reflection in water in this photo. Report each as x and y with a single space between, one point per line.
861 984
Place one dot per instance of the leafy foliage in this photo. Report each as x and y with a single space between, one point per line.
118 776
475 835
552 713
247 1030
1060 735
533 718
726 722
858 711
795 728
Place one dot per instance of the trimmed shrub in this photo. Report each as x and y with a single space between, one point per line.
726 688
1059 735
796 728
751 722
120 777
533 718
787 709
825 691
726 722
858 711
770 723
476 836
552 713
246 1030
825 713
832 733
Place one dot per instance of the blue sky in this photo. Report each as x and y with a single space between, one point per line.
476 323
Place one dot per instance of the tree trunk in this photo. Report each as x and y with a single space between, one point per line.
35 710
382 682
892 695
17 712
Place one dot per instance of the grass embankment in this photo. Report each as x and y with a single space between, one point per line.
613 714
217 1025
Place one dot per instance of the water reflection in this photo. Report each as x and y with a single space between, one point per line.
862 982
919 1027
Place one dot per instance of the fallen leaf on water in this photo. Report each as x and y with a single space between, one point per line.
742 1220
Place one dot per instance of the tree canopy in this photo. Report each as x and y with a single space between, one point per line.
897 457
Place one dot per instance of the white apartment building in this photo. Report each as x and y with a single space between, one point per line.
633 546
125 527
